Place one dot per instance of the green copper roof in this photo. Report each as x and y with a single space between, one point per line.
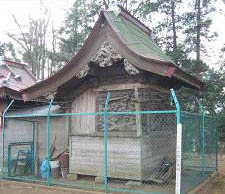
136 39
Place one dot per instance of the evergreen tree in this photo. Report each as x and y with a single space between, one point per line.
197 22
78 24
80 20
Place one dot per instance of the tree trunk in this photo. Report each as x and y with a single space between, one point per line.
174 25
198 28
43 71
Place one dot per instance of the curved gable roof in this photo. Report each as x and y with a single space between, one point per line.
131 39
135 38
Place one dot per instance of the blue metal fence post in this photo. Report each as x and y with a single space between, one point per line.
33 148
203 145
202 128
49 139
177 104
3 135
9 160
216 144
179 143
106 142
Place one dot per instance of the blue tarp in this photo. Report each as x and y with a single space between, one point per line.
44 169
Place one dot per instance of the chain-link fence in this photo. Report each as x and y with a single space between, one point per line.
199 153
24 148
116 149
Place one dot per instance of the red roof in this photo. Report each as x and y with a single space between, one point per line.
14 77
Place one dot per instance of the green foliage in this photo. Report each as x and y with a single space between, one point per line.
213 98
197 21
78 24
8 51
79 21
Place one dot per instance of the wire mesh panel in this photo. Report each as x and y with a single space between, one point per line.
20 159
198 149
24 147
191 151
126 143
210 146
15 150
141 156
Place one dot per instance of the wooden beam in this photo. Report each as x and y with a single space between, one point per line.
129 86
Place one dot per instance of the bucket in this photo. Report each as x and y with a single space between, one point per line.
65 172
54 164
55 169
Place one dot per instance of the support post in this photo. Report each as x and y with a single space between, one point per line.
179 143
3 135
202 128
49 139
106 142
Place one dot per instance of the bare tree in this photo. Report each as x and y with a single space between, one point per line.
32 40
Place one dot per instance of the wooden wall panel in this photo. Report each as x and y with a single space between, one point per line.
87 156
59 132
83 124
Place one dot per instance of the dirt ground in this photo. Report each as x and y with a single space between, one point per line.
10 187
218 186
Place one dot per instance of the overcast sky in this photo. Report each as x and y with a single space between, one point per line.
24 8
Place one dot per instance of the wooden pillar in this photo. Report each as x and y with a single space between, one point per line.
138 108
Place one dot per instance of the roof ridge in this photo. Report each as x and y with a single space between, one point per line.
20 65
14 62
134 20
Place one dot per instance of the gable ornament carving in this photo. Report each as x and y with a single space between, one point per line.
105 57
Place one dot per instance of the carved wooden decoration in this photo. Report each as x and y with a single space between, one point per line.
130 69
83 72
105 57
